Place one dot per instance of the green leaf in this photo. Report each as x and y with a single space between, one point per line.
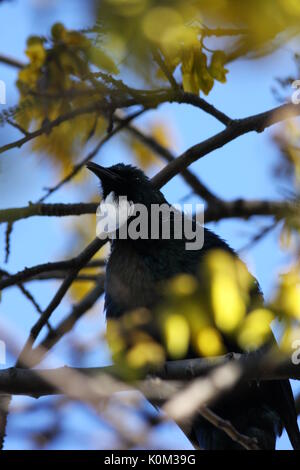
217 69
206 81
102 60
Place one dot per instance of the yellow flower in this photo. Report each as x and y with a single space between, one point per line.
36 54
216 68
209 342
177 335
255 330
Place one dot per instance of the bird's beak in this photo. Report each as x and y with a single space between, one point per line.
104 174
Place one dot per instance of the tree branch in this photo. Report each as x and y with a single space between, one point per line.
218 210
49 210
244 209
38 382
190 178
158 96
33 272
150 100
46 128
76 313
161 63
100 106
195 100
11 61
221 210
56 275
26 294
82 259
237 128
122 123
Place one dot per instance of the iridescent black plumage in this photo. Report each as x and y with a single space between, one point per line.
134 269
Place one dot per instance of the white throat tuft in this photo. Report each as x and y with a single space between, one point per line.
113 213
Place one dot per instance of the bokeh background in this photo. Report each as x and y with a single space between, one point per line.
244 168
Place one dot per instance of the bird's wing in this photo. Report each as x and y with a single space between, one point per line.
288 412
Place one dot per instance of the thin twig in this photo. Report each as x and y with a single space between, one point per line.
30 273
76 313
10 61
17 126
159 60
122 123
82 259
163 95
49 125
30 297
8 233
258 237
27 294
195 100
226 426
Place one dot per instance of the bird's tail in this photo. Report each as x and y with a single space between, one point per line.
4 407
260 423
289 414
261 413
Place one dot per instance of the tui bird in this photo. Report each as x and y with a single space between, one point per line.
134 269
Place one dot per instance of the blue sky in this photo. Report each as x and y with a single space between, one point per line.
241 169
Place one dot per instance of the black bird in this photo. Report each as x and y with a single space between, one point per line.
136 267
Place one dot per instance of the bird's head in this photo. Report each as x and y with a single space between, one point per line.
127 181
128 195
